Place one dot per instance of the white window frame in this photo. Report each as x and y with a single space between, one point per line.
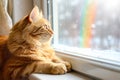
98 68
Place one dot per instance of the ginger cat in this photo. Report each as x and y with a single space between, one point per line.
27 49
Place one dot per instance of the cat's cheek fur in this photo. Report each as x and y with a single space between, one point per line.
45 38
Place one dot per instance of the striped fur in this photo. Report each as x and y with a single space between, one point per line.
28 49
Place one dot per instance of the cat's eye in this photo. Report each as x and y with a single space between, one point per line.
46 27
36 29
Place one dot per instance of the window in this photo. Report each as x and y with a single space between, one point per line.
87 27
89 24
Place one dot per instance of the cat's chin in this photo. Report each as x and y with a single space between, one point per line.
44 41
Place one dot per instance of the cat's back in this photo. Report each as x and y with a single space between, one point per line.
3 50
3 39
3 42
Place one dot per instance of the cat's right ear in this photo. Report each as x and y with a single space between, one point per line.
35 15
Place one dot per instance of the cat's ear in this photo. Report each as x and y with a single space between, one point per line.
41 14
35 15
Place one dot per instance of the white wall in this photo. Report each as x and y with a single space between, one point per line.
21 8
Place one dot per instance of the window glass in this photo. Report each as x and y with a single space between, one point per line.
88 24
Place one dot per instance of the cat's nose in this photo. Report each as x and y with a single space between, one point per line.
46 26
50 31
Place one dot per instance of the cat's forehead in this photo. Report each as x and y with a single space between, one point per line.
42 22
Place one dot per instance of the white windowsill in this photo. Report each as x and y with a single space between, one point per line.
67 76
93 68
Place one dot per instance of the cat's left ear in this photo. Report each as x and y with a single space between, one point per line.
35 15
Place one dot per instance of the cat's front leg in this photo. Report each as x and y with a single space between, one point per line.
17 72
59 68
56 59
50 67
68 65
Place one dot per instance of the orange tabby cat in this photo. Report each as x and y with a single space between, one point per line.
29 49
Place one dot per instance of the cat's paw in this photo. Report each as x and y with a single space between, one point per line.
68 65
59 68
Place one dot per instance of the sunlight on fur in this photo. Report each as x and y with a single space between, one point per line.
27 49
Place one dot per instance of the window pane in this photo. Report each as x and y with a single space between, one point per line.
87 28
89 23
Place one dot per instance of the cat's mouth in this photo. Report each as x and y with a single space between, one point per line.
50 32
46 27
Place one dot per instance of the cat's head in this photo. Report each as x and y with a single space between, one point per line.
32 28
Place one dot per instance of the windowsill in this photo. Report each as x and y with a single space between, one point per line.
90 67
67 76
94 69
